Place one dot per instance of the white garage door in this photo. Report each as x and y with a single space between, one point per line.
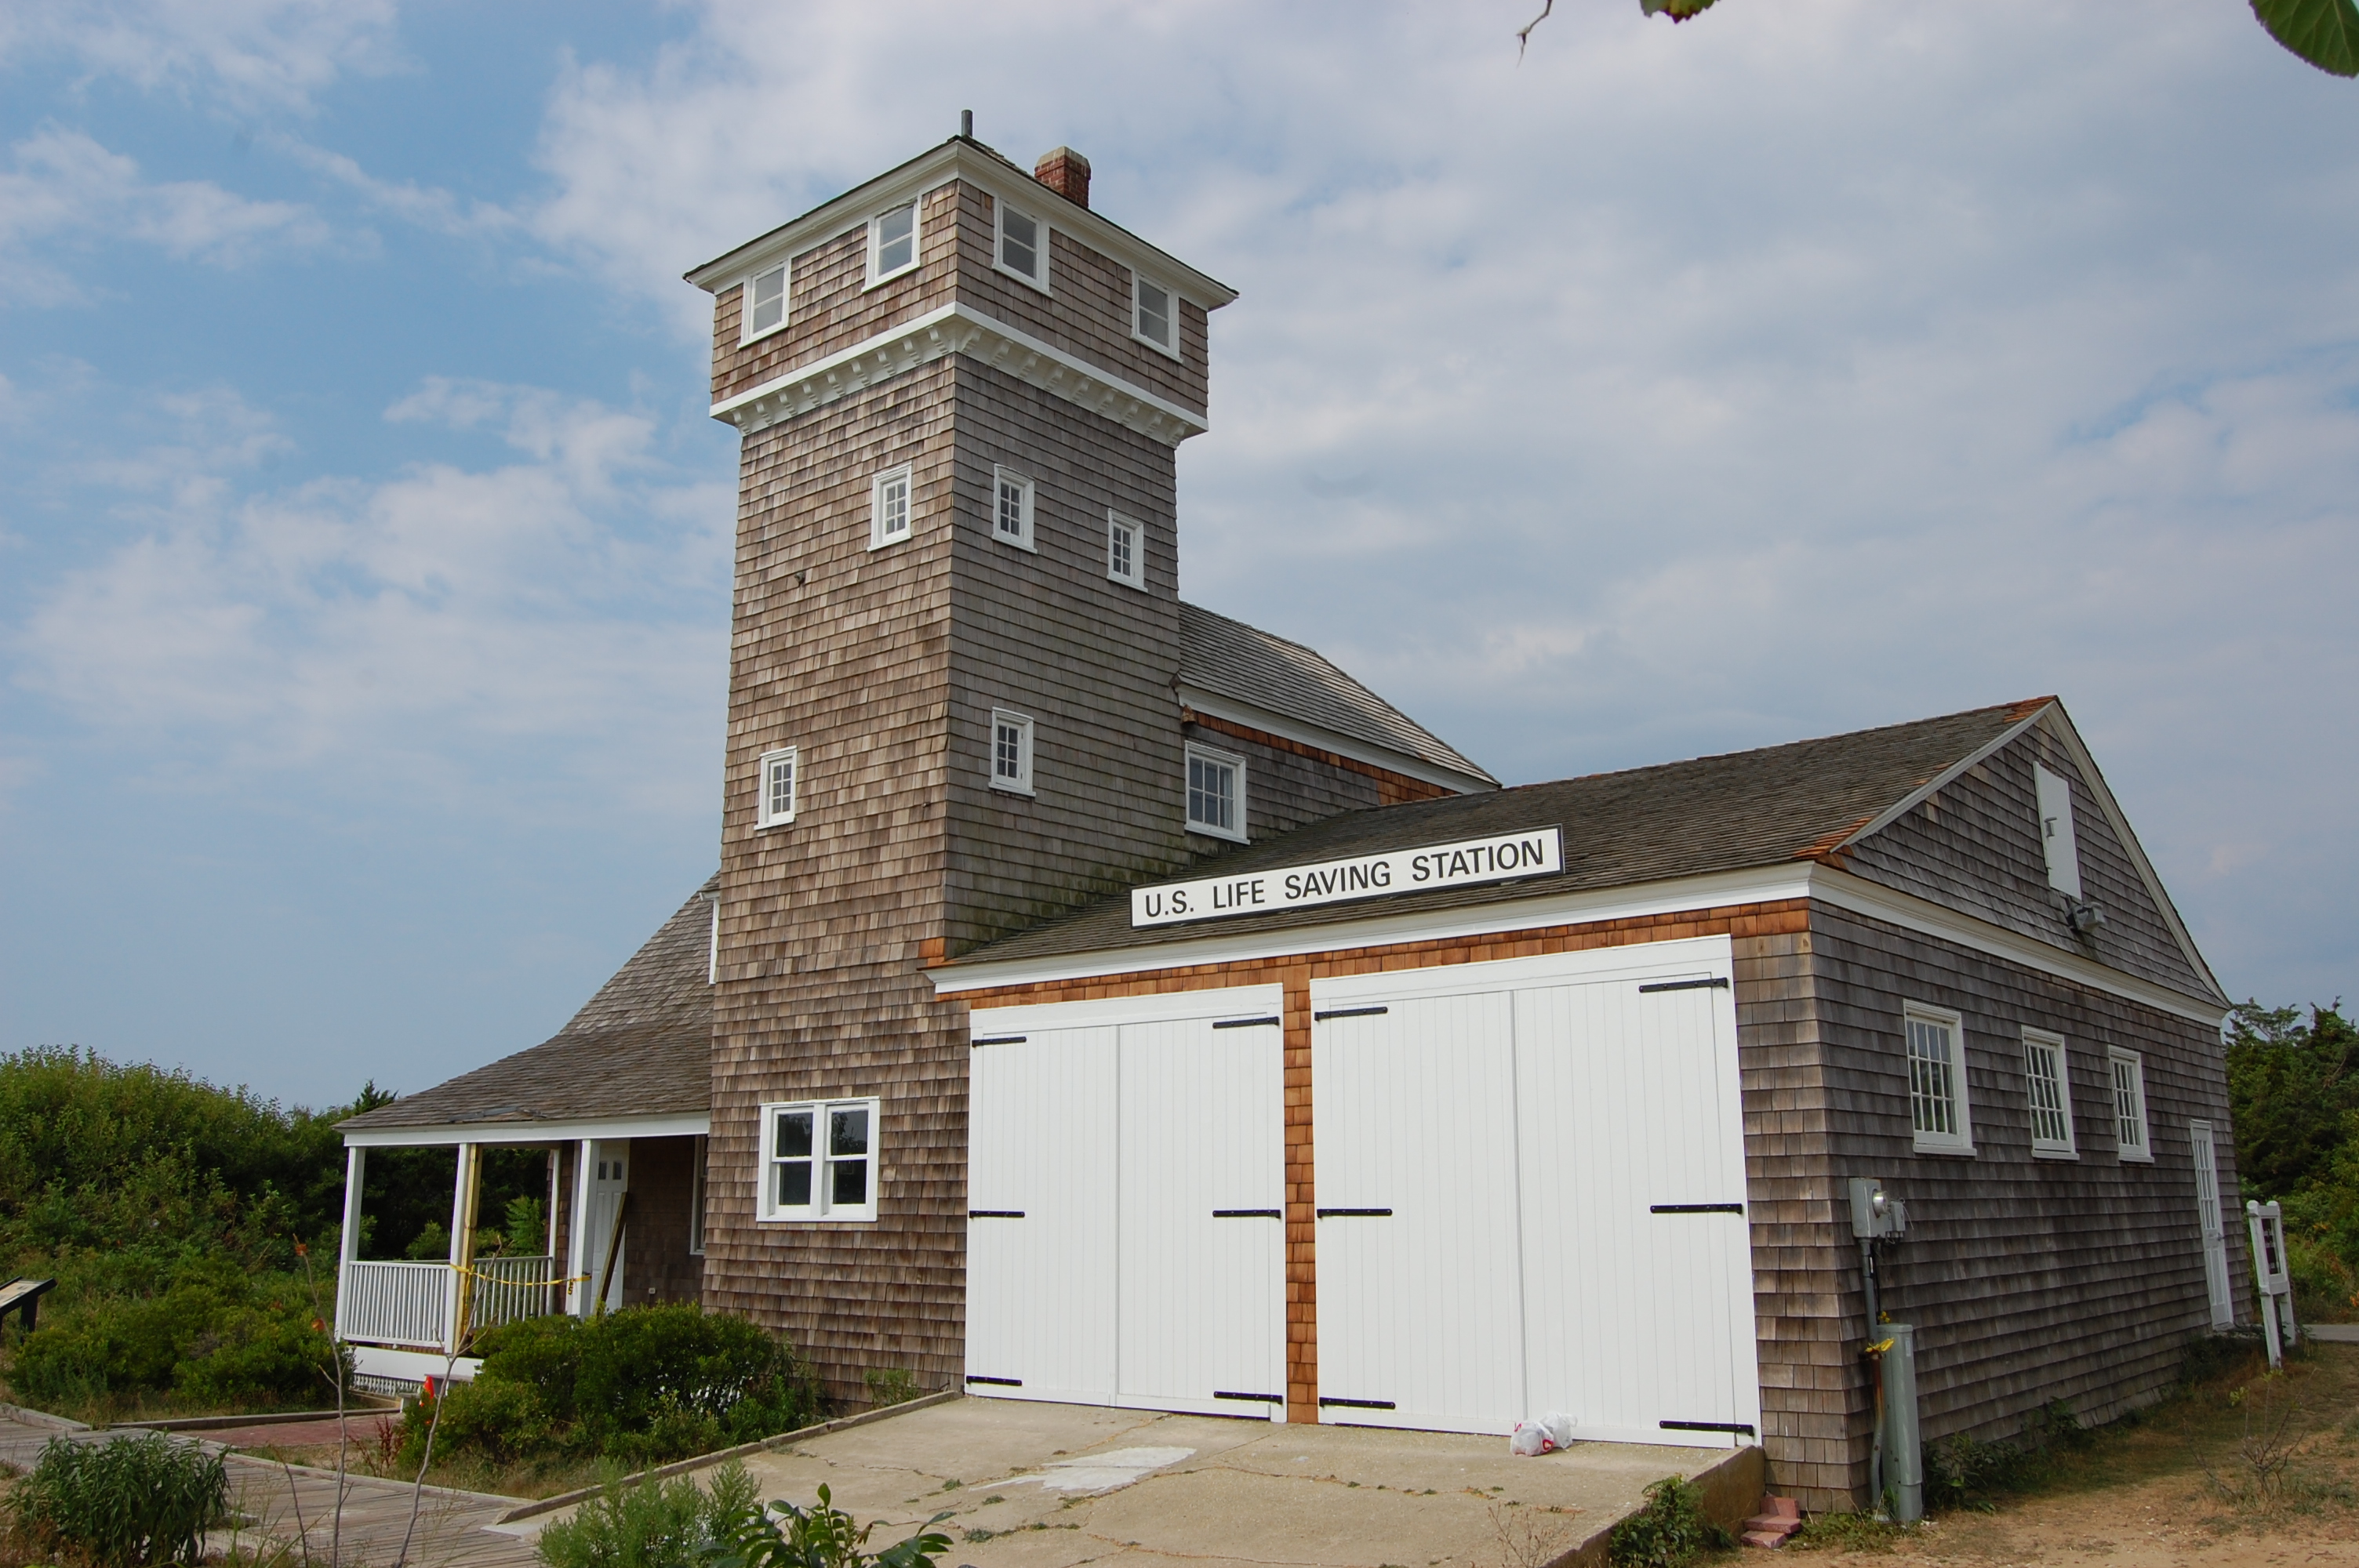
1126 1238
1530 1191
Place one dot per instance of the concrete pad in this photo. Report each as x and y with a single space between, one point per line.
1154 1488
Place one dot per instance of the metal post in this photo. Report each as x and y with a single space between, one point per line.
348 1244
1904 1459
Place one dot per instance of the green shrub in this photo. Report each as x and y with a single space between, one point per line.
121 1504
654 1524
214 1334
1961 1470
821 1537
1670 1530
889 1386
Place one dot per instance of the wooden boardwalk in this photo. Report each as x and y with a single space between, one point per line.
294 1505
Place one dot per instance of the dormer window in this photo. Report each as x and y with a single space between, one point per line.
892 243
766 303
2056 831
1022 241
1151 316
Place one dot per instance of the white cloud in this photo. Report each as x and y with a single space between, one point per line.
245 55
65 189
520 637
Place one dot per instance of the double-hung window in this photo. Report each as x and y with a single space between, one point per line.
1126 551
819 1161
1151 316
2048 1080
1216 793
1011 508
2131 1138
1937 1081
765 303
892 243
776 807
888 508
1023 246
1011 751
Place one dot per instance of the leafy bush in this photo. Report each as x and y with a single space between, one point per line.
1670 1530
821 1537
121 1504
654 1524
1961 1470
645 1384
211 1333
889 1386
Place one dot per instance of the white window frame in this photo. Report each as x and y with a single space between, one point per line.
2038 1043
1002 478
766 812
1117 524
999 209
1212 756
699 1152
880 515
713 947
746 331
1020 783
2133 1127
1959 1137
876 274
2058 845
822 1208
1139 281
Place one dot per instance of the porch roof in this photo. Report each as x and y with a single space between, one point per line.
640 1048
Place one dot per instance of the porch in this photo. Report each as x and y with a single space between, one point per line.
617 1218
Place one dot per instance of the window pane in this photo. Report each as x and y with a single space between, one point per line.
1118 552
794 1134
769 300
2048 1124
893 507
848 1183
897 240
1011 508
1010 758
1933 1088
847 1130
782 787
794 1184
1154 314
1212 794
1019 243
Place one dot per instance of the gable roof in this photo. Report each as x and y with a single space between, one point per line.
642 1046
1799 802
1281 681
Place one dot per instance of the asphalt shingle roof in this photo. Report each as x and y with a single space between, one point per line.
642 1046
1712 814
1235 660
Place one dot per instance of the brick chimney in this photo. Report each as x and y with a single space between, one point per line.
1067 173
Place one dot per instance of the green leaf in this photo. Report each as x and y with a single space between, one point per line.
1680 10
2323 32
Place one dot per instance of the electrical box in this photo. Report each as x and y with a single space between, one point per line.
1874 1214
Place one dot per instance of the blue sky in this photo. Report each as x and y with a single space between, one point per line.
1815 364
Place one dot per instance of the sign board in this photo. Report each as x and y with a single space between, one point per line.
1538 851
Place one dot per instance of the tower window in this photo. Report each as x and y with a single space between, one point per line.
888 508
778 803
1152 315
1011 508
766 303
1022 241
1126 551
892 243
1011 751
1216 794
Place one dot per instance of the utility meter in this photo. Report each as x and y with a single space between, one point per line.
1873 1213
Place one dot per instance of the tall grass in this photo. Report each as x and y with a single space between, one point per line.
121 1504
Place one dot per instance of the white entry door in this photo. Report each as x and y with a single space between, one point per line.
2215 1234
605 1178
1041 1188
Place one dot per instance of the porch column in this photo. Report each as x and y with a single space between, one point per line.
459 1297
577 1247
348 1245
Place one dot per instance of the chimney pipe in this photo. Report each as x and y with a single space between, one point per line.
1067 173
966 123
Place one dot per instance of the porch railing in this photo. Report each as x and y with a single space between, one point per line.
411 1305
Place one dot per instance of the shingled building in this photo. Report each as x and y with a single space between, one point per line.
1102 999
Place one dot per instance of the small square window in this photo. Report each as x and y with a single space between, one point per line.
888 508
2048 1079
1011 751
1937 1082
1011 508
819 1161
1023 246
1126 551
892 243
766 303
1151 320
1216 794
2131 1140
777 805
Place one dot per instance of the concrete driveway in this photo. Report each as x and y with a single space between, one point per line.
1042 1485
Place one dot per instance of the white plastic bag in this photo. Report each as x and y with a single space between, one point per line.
1541 1434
